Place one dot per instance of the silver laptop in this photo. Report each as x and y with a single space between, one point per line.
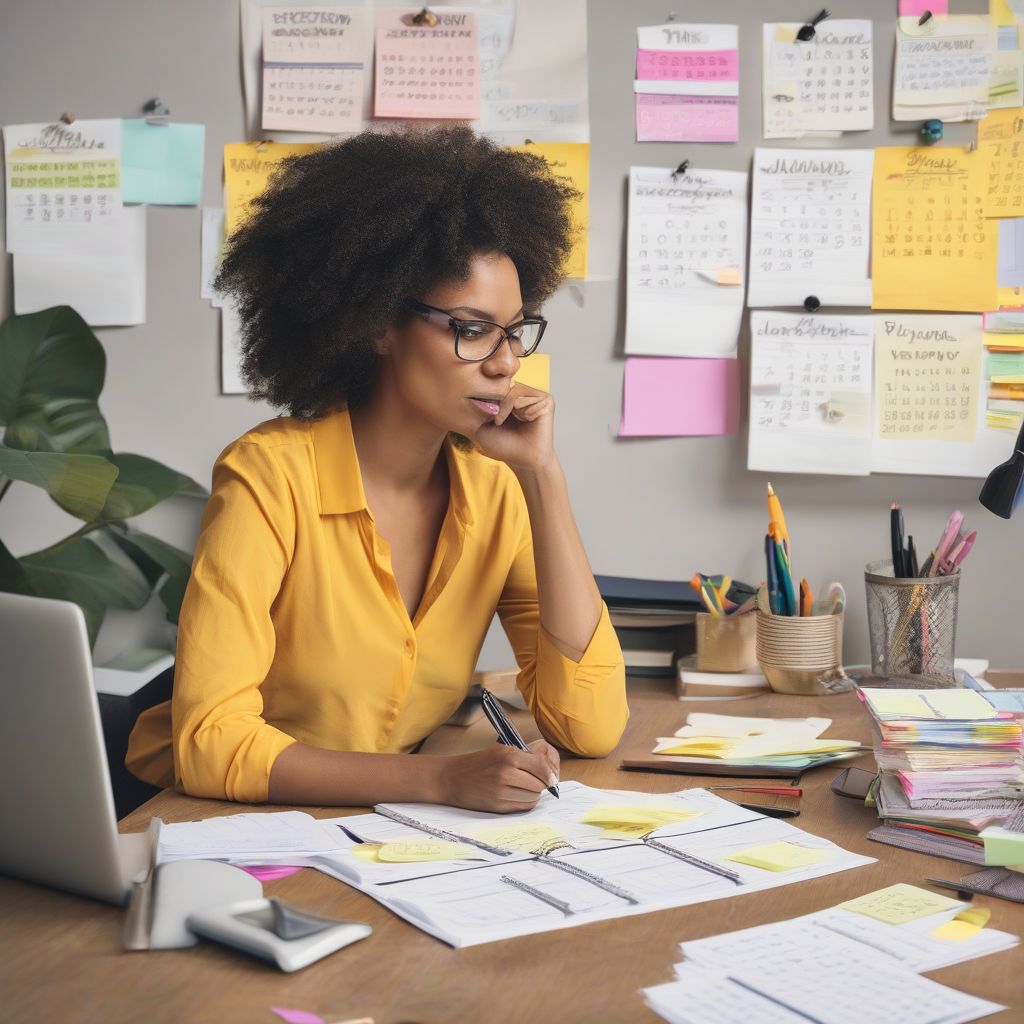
56 804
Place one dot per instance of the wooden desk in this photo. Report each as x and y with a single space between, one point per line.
61 957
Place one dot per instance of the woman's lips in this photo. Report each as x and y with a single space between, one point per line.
491 408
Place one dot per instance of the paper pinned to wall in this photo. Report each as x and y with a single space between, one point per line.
313 70
810 393
823 85
680 397
571 162
425 70
1006 84
162 164
231 382
60 176
211 244
686 245
1001 139
535 371
933 248
943 68
810 227
248 167
687 83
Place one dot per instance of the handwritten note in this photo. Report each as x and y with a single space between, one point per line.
427 70
810 227
60 175
687 83
900 903
247 170
626 822
932 246
312 69
943 69
1001 139
810 393
570 161
825 84
780 856
686 245
680 397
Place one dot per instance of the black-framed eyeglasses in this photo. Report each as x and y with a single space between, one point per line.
477 340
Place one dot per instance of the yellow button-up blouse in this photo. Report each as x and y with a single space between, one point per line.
293 627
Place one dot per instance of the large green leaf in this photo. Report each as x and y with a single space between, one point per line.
79 483
78 570
13 578
143 483
156 560
52 374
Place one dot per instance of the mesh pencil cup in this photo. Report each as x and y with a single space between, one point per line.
912 624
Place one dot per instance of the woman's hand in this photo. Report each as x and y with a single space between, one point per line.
499 778
522 433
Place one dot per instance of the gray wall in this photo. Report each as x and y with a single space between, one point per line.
657 507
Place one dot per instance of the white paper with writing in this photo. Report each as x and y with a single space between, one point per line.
810 227
686 241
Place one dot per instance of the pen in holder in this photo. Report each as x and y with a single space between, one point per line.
912 624
725 644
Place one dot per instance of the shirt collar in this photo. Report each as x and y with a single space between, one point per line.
339 481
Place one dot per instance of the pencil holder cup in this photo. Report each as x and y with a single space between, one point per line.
726 643
802 654
912 625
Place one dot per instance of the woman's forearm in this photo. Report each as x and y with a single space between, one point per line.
570 604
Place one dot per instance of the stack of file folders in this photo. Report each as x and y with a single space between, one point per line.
951 764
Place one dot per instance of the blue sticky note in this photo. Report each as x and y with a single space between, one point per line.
162 164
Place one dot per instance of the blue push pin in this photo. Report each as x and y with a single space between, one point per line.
932 130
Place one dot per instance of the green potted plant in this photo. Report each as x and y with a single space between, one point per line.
52 369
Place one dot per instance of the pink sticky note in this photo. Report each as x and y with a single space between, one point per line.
915 8
667 118
679 397
297 1016
695 66
427 71
268 872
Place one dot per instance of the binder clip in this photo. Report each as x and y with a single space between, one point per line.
931 130
426 17
812 304
156 111
681 169
807 32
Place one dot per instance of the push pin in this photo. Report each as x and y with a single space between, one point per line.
931 130
925 18
425 17
67 117
156 111
812 303
681 169
806 33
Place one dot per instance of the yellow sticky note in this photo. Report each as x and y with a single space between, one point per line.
527 838
247 169
1001 138
997 342
729 275
367 852
965 704
632 822
408 851
966 924
780 856
932 246
1001 13
535 371
1003 420
571 161
897 702
899 903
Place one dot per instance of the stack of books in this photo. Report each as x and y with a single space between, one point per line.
654 620
951 764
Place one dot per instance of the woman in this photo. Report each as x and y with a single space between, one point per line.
353 554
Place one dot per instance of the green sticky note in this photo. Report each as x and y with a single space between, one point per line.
1002 847
780 856
897 904
161 164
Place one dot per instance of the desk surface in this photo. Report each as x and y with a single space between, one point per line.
61 956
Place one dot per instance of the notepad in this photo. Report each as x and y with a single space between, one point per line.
899 903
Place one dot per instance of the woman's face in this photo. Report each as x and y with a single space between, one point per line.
419 356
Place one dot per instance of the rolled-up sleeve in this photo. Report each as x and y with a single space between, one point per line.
578 705
223 748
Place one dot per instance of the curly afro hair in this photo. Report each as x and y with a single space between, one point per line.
344 235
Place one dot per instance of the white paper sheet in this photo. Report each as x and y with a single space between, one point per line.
823 85
210 241
943 69
810 227
810 393
231 382
685 236
98 269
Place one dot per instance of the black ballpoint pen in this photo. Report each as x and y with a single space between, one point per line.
507 732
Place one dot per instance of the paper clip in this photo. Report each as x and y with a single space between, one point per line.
807 32
681 169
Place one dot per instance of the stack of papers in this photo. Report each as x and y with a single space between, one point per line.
859 961
785 743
